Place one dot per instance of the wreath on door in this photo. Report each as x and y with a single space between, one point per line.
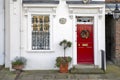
85 34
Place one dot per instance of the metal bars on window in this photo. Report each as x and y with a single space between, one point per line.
40 32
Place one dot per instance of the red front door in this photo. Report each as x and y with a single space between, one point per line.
85 46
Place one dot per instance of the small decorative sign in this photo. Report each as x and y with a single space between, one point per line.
62 20
85 1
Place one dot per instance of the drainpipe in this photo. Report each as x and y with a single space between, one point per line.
21 31
2 51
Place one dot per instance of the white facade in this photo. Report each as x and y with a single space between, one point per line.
19 36
2 32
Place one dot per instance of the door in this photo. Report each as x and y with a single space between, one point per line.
85 46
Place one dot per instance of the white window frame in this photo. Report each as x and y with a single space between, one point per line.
29 32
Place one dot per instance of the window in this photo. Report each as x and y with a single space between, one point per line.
40 32
84 19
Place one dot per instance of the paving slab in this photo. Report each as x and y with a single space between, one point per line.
37 78
112 73
94 76
61 76
28 77
81 76
48 76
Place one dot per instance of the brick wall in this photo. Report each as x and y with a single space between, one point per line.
117 43
112 1
113 39
110 37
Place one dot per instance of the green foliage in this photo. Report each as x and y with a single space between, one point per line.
63 60
65 44
19 61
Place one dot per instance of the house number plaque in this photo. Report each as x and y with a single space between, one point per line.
85 1
62 20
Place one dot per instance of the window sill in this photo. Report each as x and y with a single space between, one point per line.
41 51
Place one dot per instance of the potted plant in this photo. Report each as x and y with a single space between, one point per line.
18 63
63 62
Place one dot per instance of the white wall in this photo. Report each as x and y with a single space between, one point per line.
12 34
101 35
2 32
7 33
46 59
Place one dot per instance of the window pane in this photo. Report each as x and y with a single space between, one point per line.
84 19
40 33
46 19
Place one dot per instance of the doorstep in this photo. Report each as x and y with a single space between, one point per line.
86 69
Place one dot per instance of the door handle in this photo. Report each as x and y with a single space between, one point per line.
78 44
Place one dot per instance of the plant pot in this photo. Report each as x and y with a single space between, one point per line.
64 68
18 67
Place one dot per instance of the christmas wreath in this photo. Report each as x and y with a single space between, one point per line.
85 34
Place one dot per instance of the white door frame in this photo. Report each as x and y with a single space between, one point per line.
95 24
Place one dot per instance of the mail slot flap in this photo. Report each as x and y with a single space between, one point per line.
84 44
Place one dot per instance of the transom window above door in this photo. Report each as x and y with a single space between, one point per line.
40 32
84 19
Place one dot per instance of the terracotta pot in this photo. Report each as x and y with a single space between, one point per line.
64 68
18 67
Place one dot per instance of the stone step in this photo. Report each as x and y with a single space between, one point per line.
86 71
82 66
86 68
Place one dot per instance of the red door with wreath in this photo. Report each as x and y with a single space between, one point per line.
85 46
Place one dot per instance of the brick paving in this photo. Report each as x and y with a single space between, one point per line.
112 73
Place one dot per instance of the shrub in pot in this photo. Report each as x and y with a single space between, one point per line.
63 62
18 63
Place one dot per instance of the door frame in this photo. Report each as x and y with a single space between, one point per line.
91 54
95 30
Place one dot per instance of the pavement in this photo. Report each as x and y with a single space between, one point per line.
112 73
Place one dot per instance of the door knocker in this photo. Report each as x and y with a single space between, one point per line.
85 34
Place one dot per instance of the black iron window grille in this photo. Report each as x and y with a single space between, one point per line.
40 32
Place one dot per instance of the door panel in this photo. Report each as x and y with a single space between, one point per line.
85 46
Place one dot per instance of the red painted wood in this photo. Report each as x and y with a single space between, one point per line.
85 46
